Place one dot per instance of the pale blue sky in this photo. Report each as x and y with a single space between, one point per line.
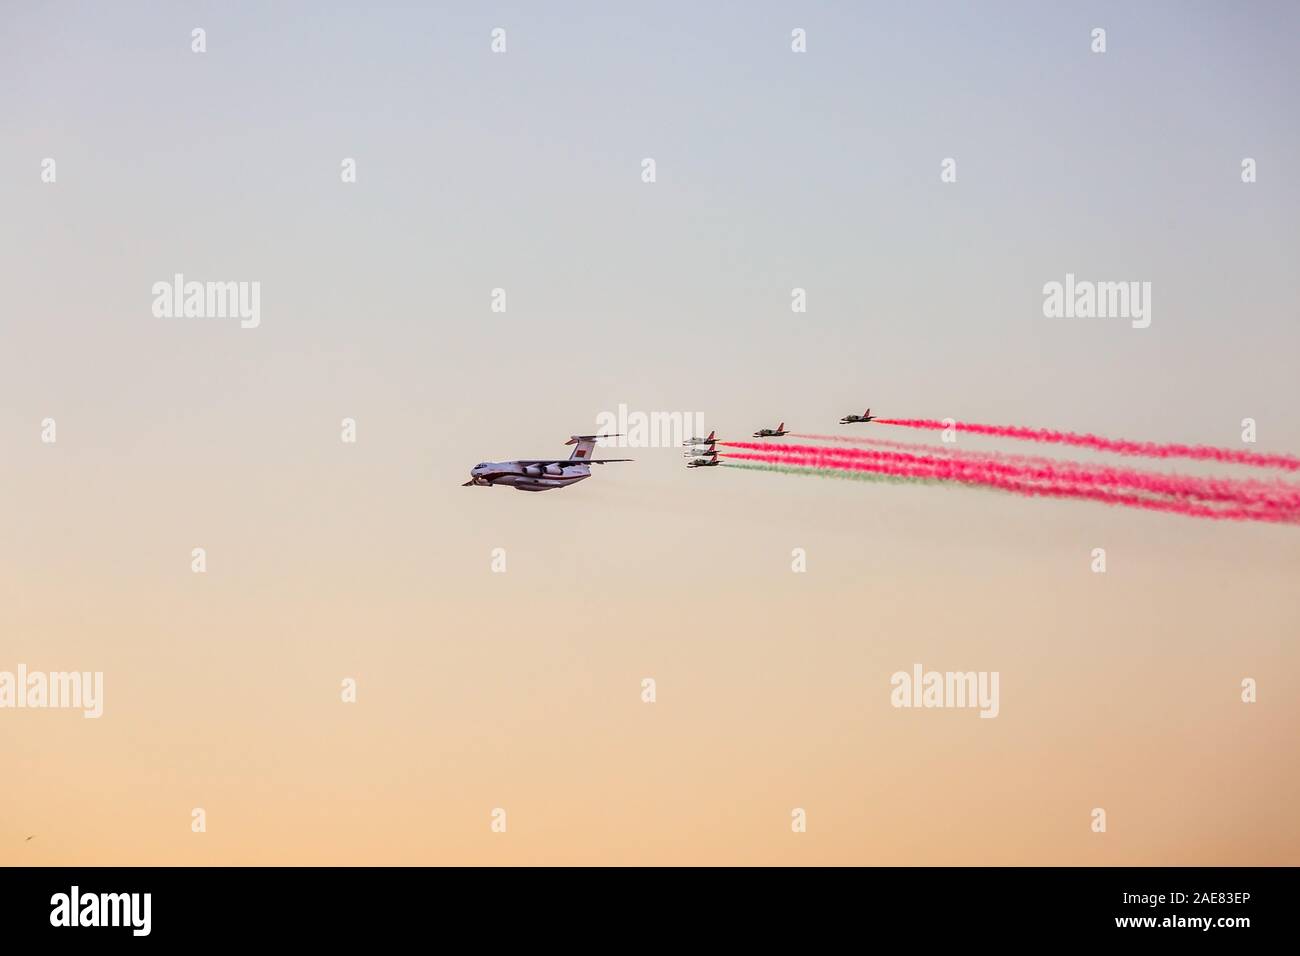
775 170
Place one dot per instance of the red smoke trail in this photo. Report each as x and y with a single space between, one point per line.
816 464
933 449
952 471
1271 490
1119 446
1278 495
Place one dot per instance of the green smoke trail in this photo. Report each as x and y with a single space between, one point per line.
857 476
838 473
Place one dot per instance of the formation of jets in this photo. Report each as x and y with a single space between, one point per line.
702 446
542 474
705 454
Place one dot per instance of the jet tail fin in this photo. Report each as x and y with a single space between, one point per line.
585 444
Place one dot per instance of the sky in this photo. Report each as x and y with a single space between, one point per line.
522 690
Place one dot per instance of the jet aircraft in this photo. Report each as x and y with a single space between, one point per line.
542 474
864 417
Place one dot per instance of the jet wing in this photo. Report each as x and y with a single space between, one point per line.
568 461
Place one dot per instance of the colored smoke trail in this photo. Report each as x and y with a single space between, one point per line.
950 450
814 465
1119 446
951 471
847 474
1277 496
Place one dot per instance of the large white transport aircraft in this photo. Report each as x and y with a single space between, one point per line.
542 474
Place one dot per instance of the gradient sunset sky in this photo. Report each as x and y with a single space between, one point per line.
522 690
